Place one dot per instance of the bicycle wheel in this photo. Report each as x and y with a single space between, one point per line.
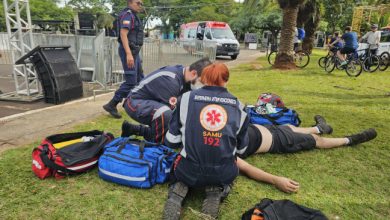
384 60
330 64
371 63
272 57
301 59
322 62
354 68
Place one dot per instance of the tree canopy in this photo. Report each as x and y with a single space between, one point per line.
252 16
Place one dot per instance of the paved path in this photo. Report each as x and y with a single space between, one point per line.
24 128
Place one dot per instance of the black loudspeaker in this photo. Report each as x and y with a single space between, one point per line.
57 70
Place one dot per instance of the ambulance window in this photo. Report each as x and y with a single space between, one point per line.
208 34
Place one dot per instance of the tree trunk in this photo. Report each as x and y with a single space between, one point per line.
310 28
284 58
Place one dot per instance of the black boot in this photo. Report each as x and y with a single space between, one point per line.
110 107
322 126
129 129
214 197
176 194
362 137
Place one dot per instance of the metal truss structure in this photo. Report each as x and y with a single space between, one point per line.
364 13
19 30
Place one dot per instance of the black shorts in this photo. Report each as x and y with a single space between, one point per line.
334 49
255 139
285 140
347 50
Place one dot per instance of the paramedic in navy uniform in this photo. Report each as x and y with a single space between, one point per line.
151 102
130 40
211 127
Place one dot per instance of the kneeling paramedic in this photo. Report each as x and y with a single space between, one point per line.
211 127
151 102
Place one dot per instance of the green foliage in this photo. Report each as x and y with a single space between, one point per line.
339 14
2 18
257 16
48 10
290 3
207 13
90 6
105 20
41 10
173 13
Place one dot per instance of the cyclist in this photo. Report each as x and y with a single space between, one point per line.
350 44
337 46
298 37
373 38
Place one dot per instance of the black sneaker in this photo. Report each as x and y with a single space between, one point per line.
110 107
129 129
176 194
362 137
322 126
214 196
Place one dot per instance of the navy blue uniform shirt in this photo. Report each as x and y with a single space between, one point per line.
211 126
129 20
161 85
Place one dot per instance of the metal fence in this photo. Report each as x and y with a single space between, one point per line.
98 56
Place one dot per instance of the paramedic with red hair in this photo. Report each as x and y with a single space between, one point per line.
211 127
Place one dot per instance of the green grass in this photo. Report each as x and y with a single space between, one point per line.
351 183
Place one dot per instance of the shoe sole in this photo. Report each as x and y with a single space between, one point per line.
172 210
212 202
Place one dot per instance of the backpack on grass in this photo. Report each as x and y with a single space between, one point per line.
281 117
70 153
269 209
136 163
271 98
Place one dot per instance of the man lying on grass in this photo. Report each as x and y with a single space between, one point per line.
290 139
211 128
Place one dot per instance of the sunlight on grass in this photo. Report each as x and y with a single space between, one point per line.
352 183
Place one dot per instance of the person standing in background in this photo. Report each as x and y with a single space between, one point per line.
131 38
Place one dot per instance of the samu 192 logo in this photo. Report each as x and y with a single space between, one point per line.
213 117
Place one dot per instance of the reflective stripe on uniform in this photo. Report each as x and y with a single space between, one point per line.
151 78
242 151
174 139
243 117
183 118
160 111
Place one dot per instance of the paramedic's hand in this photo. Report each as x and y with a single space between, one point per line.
286 185
130 61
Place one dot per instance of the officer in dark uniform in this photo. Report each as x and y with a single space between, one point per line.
131 38
152 101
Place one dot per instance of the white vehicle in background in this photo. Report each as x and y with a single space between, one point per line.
210 32
383 52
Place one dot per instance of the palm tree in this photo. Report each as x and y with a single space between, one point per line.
284 58
309 17
311 26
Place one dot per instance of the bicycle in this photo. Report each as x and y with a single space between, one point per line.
384 61
353 67
370 61
322 60
301 59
